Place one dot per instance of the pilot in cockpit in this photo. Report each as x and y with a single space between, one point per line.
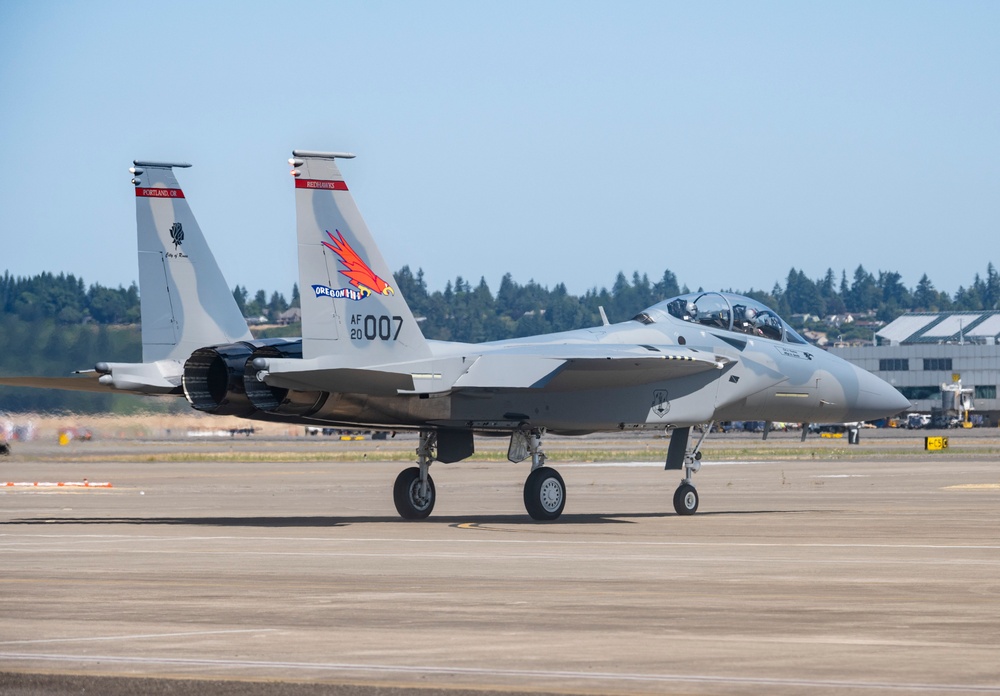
745 320
683 309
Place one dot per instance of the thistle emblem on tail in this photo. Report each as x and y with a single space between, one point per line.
177 234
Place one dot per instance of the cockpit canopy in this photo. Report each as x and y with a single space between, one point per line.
726 311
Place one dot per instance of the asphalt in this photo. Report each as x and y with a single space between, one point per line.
797 575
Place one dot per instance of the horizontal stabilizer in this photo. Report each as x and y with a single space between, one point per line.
343 380
85 381
93 381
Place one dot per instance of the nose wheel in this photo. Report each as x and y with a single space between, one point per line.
686 499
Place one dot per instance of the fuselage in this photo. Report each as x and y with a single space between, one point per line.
764 371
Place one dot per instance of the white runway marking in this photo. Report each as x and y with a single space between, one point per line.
23 540
135 636
655 465
497 672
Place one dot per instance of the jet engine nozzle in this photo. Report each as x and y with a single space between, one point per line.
276 400
213 380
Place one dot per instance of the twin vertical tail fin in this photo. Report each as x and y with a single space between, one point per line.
351 305
185 301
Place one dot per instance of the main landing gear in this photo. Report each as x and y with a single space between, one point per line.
413 493
544 489
679 455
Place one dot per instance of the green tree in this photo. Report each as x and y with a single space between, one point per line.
924 295
667 286
865 293
991 289
802 295
240 294
276 305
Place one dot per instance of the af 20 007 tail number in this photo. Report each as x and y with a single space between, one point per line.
369 327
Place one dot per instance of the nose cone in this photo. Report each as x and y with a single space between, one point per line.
876 398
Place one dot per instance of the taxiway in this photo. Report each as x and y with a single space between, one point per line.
796 575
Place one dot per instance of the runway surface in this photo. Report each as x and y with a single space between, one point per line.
796 576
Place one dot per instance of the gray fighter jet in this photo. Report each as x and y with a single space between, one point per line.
684 362
363 362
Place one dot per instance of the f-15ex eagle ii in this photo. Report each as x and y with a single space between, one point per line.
362 361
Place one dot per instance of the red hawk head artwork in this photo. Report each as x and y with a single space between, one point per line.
360 274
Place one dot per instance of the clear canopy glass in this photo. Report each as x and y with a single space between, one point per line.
728 312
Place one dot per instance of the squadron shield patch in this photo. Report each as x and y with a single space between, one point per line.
660 406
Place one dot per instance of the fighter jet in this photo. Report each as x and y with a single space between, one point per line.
684 362
362 362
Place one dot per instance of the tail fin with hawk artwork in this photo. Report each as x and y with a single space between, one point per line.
351 305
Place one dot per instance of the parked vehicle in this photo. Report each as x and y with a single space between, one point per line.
918 421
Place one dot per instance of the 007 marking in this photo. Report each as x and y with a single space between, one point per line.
369 327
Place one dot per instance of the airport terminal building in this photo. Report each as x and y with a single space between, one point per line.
921 354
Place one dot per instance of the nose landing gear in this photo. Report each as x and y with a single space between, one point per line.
679 455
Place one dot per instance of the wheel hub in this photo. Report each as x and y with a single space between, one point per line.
690 500
550 495
419 499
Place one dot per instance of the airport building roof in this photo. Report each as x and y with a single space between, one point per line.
942 327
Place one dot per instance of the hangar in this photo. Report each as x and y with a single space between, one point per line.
923 354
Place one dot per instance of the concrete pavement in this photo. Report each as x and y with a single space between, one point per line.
795 576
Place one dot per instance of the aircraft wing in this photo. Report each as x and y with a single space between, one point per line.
156 379
524 366
572 367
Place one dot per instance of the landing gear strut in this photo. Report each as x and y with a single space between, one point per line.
544 489
413 493
680 455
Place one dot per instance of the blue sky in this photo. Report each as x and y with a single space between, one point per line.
557 141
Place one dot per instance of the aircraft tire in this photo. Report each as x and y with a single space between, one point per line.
544 494
409 504
686 499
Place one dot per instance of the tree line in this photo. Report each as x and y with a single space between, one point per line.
463 312
67 300
466 312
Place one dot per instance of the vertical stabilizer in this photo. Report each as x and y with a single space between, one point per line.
351 305
185 301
